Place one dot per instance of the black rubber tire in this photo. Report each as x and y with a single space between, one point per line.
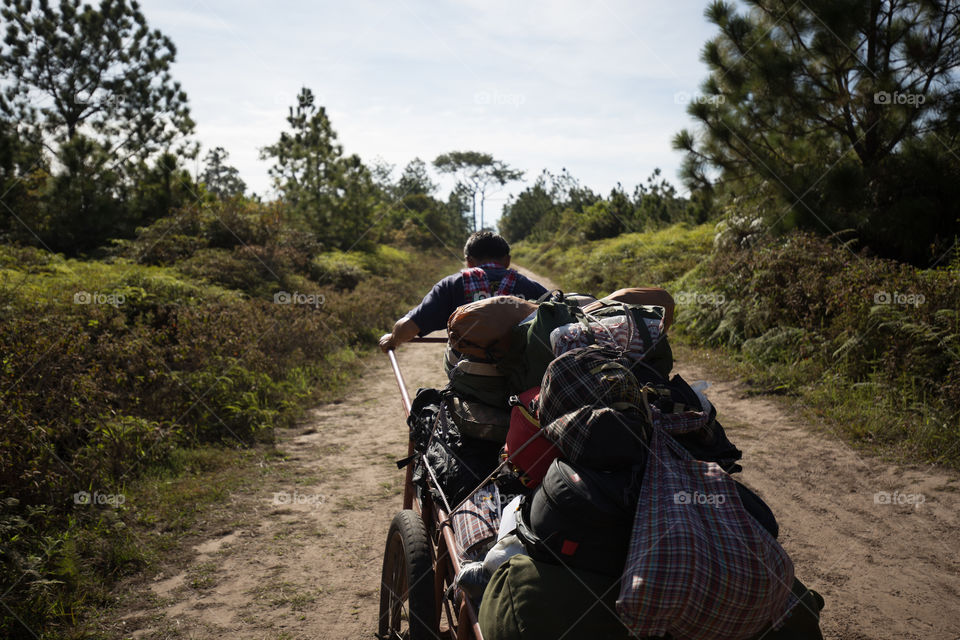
407 605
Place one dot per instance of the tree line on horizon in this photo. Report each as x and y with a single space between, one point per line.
95 135
841 118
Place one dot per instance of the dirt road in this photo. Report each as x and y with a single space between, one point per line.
881 543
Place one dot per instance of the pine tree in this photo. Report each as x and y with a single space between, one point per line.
477 172
521 214
415 180
332 193
76 70
92 86
220 178
811 104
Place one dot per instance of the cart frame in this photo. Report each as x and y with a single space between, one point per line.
405 539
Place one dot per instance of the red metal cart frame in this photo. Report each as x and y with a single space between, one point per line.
420 562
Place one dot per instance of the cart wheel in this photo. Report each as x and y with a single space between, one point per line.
407 606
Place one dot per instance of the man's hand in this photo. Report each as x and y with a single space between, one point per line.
404 331
387 342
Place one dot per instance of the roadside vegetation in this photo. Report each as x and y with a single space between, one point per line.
156 326
146 364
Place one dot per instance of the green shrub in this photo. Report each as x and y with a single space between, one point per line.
630 259
346 269
338 269
99 393
231 269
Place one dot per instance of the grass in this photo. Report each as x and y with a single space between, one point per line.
203 576
658 258
278 593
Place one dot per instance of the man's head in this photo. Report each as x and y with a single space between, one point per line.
486 246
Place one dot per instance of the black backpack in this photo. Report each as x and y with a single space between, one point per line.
458 462
580 517
674 396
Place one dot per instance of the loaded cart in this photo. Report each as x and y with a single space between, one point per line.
587 520
421 561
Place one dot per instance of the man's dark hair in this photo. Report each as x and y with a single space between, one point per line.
486 245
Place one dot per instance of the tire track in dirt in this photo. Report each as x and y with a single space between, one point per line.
310 567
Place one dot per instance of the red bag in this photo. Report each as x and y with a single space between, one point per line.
534 459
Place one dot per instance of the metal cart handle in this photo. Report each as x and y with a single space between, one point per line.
405 398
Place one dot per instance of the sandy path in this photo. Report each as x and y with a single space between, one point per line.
306 562
886 571
311 568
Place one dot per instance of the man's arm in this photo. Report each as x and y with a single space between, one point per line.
403 331
430 315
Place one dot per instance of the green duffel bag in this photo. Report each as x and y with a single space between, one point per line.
527 599
480 386
479 420
530 351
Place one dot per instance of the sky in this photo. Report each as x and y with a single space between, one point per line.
597 88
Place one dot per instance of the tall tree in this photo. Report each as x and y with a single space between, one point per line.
477 172
220 178
381 174
419 217
92 86
539 208
333 193
812 104
521 214
76 69
415 179
23 173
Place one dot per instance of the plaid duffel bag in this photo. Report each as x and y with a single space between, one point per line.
699 567
476 522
